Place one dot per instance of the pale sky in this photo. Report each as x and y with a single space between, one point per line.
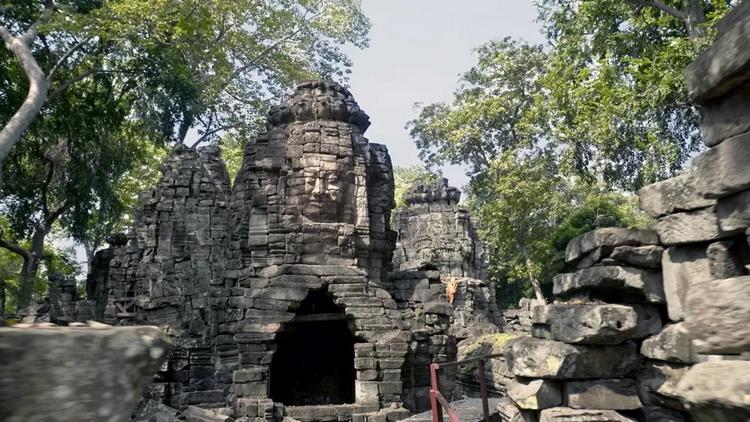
418 49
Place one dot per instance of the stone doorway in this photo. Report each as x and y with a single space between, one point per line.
314 359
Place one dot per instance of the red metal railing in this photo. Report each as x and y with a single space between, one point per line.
438 400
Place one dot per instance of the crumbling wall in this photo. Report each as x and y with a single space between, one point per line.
310 212
439 284
655 326
171 272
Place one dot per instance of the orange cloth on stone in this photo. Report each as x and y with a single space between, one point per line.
451 287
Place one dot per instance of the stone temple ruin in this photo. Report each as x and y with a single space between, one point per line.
295 294
280 292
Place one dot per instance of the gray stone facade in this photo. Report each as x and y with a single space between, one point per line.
280 291
653 326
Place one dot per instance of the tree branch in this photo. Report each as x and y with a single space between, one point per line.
15 249
211 132
33 30
38 88
673 11
60 89
254 61
45 187
56 212
56 67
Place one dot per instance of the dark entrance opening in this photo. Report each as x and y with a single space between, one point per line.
314 359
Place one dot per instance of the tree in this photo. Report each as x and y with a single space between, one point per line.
56 259
134 75
691 12
256 49
518 203
528 213
39 81
492 110
545 131
593 208
614 91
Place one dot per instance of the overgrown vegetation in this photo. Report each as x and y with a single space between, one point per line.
93 93
557 138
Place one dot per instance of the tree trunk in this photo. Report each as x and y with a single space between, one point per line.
90 249
2 301
694 18
38 87
534 281
30 271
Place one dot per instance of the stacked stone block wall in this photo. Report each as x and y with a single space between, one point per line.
655 326
439 284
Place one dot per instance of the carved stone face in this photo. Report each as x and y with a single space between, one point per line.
328 193
323 186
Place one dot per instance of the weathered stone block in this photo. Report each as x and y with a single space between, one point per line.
723 65
657 382
249 374
566 414
644 283
733 212
197 414
717 315
672 344
639 256
595 324
613 236
247 407
393 387
717 391
509 412
366 392
723 170
727 259
534 393
537 358
594 257
725 116
76 374
611 394
691 227
679 193
683 266
250 389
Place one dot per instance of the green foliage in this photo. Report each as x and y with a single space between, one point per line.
211 67
519 200
56 259
596 210
232 152
614 96
492 110
547 131
138 75
528 214
405 178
